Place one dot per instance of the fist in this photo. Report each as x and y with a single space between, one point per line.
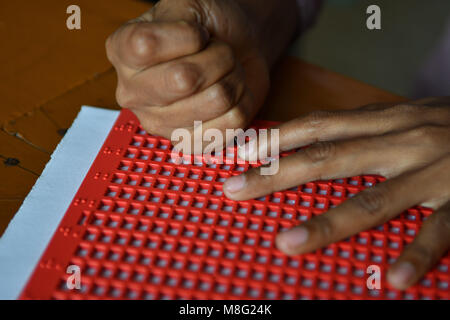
189 60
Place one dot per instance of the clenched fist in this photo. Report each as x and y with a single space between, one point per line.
190 60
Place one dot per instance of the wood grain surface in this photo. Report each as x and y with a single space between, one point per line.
51 71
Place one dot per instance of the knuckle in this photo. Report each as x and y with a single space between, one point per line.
197 37
442 217
323 225
225 95
374 107
321 151
445 220
141 41
183 79
372 201
236 118
266 181
405 108
317 118
428 134
422 253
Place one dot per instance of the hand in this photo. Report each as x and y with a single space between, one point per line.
408 143
207 60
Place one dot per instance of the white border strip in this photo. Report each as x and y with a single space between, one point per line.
29 232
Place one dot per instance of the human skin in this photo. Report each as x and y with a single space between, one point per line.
202 60
209 60
407 143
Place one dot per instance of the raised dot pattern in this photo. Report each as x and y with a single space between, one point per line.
153 229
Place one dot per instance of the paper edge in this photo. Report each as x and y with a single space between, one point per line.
16 266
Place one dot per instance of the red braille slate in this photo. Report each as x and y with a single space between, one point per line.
142 227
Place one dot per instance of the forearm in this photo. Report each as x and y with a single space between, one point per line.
276 23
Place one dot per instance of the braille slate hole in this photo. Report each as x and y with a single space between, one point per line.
153 228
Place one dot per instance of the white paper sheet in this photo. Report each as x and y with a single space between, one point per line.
32 227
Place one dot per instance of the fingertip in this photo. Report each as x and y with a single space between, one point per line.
401 275
247 151
233 185
280 244
291 241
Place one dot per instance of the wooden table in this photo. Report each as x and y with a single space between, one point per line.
51 71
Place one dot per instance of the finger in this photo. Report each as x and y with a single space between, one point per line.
168 82
424 252
214 135
138 46
339 125
206 105
178 10
401 151
433 102
238 117
368 208
235 119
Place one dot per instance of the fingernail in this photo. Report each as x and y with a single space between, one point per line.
234 184
291 239
401 276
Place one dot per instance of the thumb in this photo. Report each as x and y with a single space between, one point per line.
167 31
174 10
